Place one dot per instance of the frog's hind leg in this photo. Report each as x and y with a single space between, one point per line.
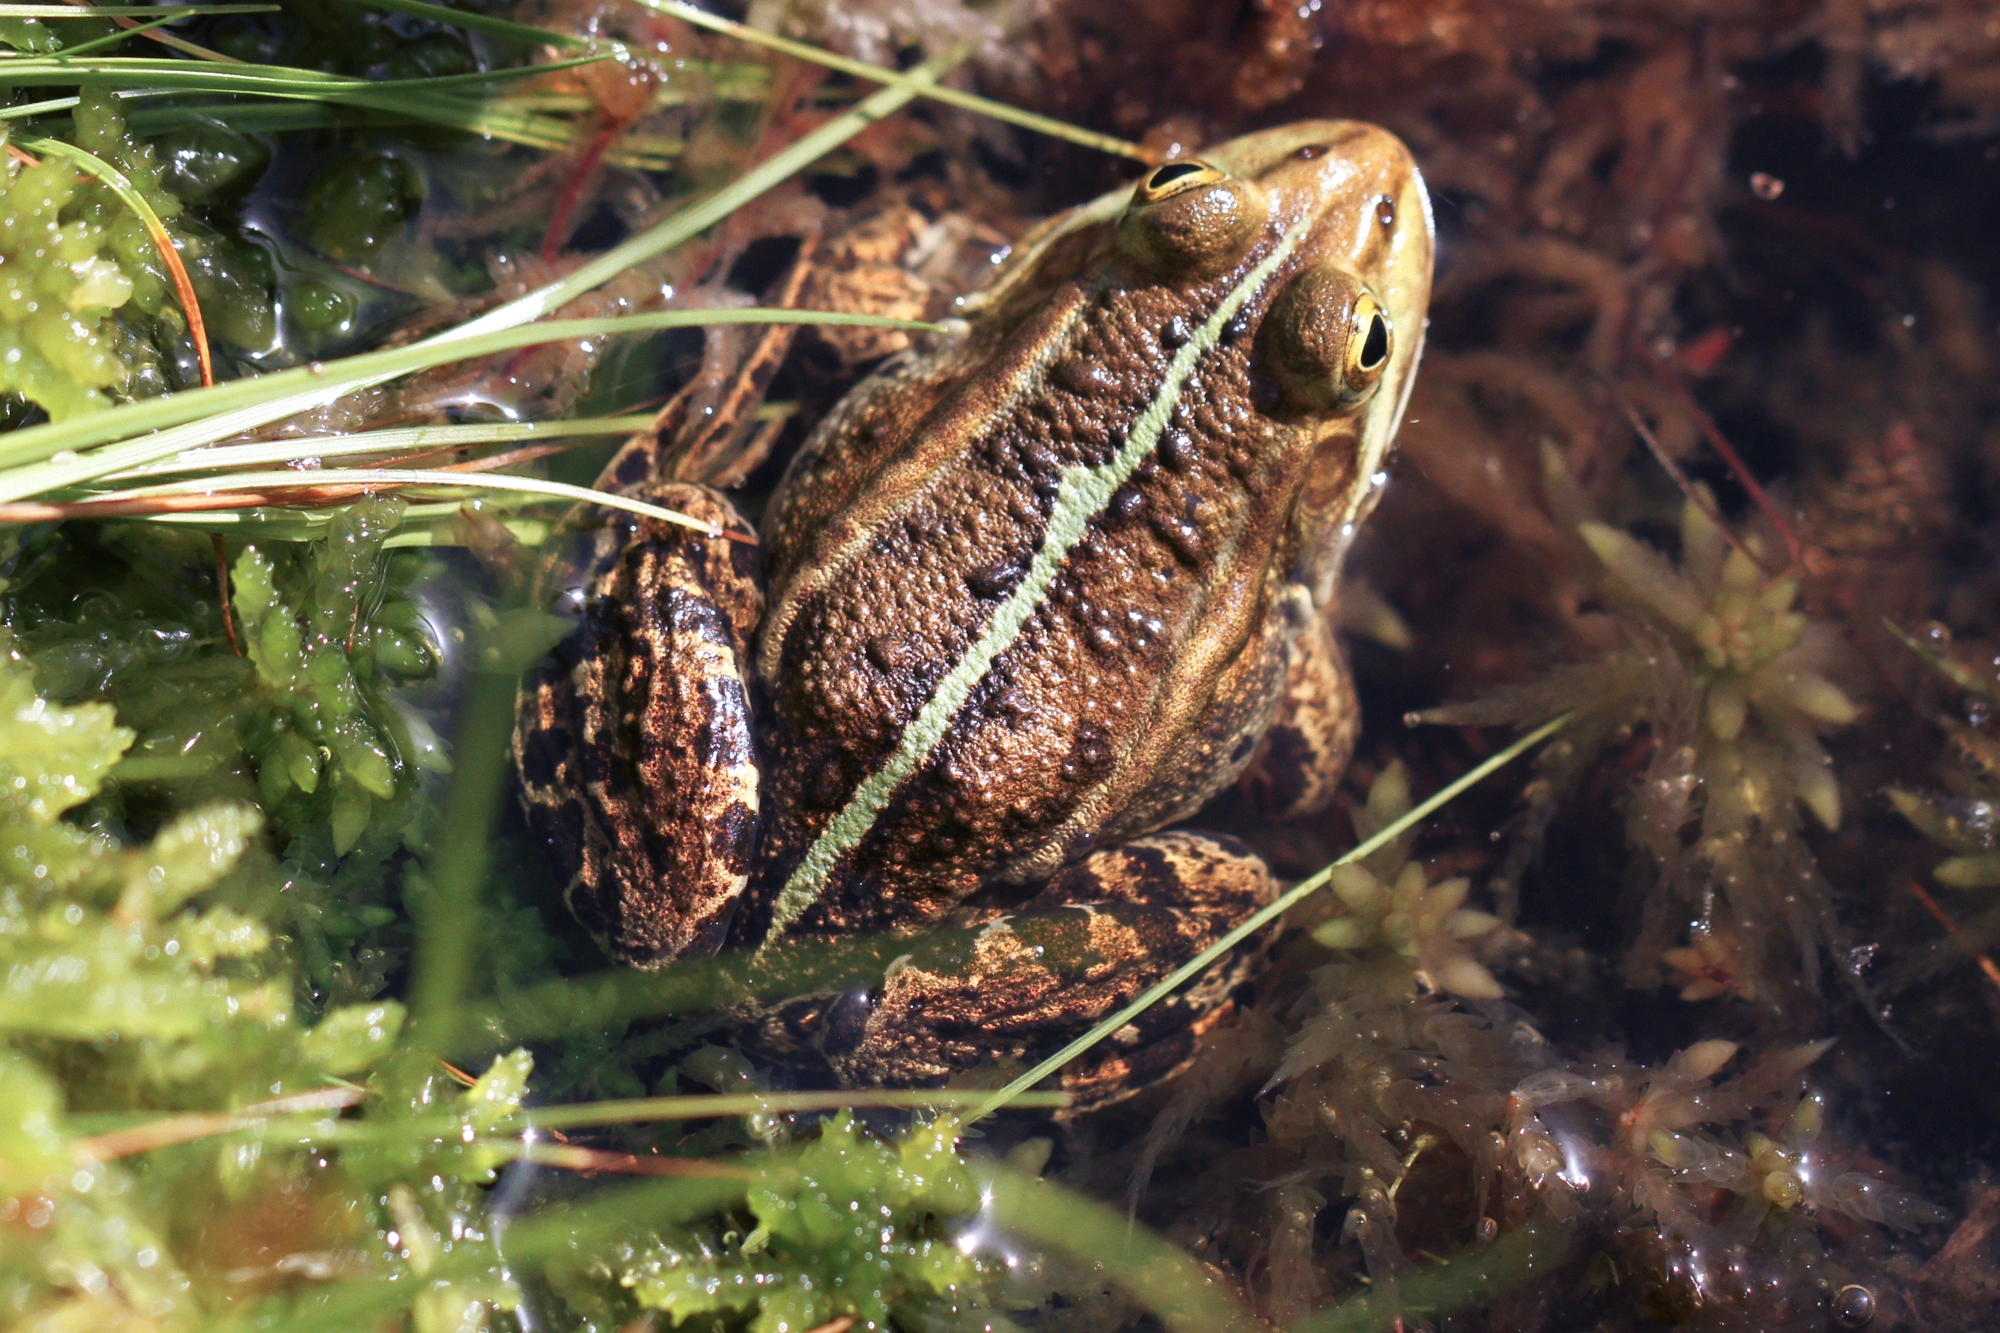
633 738
1298 765
1007 989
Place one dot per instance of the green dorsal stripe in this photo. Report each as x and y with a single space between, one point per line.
1083 494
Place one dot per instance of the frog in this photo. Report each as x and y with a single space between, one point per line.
1027 598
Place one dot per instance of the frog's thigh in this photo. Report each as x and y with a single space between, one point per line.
1028 982
633 739
1297 766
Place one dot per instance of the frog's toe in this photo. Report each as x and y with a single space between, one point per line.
1022 984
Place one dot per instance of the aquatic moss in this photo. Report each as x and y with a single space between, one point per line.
73 256
847 1226
1715 660
1389 908
145 1007
299 702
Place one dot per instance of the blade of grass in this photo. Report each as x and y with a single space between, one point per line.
1298 893
29 110
1469 1278
392 440
127 73
110 40
341 486
155 228
637 1109
431 101
156 414
564 1229
146 30
424 525
1154 1273
492 27
202 416
448 915
581 1004
1943 662
305 1119
63 11
699 217
985 106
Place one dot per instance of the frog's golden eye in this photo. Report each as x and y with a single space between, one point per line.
1327 339
1175 178
1188 217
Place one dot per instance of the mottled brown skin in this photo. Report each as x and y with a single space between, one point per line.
1095 936
1189 612
1141 688
633 739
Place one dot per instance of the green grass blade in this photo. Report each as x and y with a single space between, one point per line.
398 439
201 416
451 102
447 916
617 995
129 73
57 11
110 175
1942 662
1284 903
638 1109
429 479
1153 1272
234 416
699 217
459 18
112 39
29 110
563 1230
1469 1278
984 106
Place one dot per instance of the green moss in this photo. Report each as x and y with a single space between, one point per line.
79 275
847 1226
356 203
1728 676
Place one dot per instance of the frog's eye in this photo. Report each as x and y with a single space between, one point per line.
1327 339
1188 217
1175 178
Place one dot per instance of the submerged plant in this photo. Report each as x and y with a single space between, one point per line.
845 1227
297 701
1373 1062
1714 661
85 304
1962 819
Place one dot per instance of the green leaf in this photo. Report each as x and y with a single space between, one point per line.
1646 573
188 856
32 1145
350 1039
55 758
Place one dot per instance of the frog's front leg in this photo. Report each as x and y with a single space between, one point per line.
1018 985
633 738
1299 763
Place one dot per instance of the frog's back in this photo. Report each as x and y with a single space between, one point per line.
1026 590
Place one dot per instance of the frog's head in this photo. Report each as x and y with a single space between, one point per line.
1336 215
